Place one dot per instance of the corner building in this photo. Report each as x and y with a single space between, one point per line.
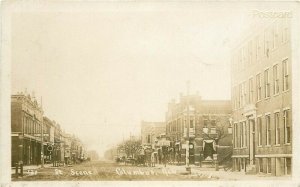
209 120
262 99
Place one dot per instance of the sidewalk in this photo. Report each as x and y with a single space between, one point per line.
221 174
30 167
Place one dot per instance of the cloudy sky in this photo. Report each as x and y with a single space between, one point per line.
103 68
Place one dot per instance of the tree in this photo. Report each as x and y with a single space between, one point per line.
221 125
131 147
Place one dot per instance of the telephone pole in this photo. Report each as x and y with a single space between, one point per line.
187 158
42 136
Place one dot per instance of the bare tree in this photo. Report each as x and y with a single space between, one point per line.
221 125
131 147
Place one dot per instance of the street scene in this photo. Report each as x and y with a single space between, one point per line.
152 94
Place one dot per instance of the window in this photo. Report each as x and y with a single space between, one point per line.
235 99
148 138
266 43
259 128
244 57
251 91
258 47
287 128
235 134
245 93
269 168
250 51
240 64
277 128
267 84
287 166
268 130
241 95
213 130
275 35
244 134
213 122
285 31
275 79
258 87
191 123
205 122
285 74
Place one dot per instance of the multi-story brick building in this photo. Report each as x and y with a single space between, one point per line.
28 126
262 99
208 126
26 129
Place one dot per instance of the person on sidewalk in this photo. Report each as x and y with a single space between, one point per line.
153 159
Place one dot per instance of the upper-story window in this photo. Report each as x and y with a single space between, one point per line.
241 96
245 55
191 123
286 126
275 79
250 52
251 90
258 87
205 121
245 93
275 35
213 130
266 43
267 83
240 59
213 122
285 31
257 47
285 74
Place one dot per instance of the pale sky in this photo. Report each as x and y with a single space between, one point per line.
100 73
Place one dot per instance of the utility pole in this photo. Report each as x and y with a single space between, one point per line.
42 136
187 159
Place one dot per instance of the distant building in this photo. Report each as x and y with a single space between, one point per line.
262 99
209 125
93 155
150 131
26 129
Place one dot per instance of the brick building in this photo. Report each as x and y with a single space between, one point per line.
26 129
262 99
28 126
208 127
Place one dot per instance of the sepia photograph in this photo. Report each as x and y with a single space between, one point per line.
194 91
